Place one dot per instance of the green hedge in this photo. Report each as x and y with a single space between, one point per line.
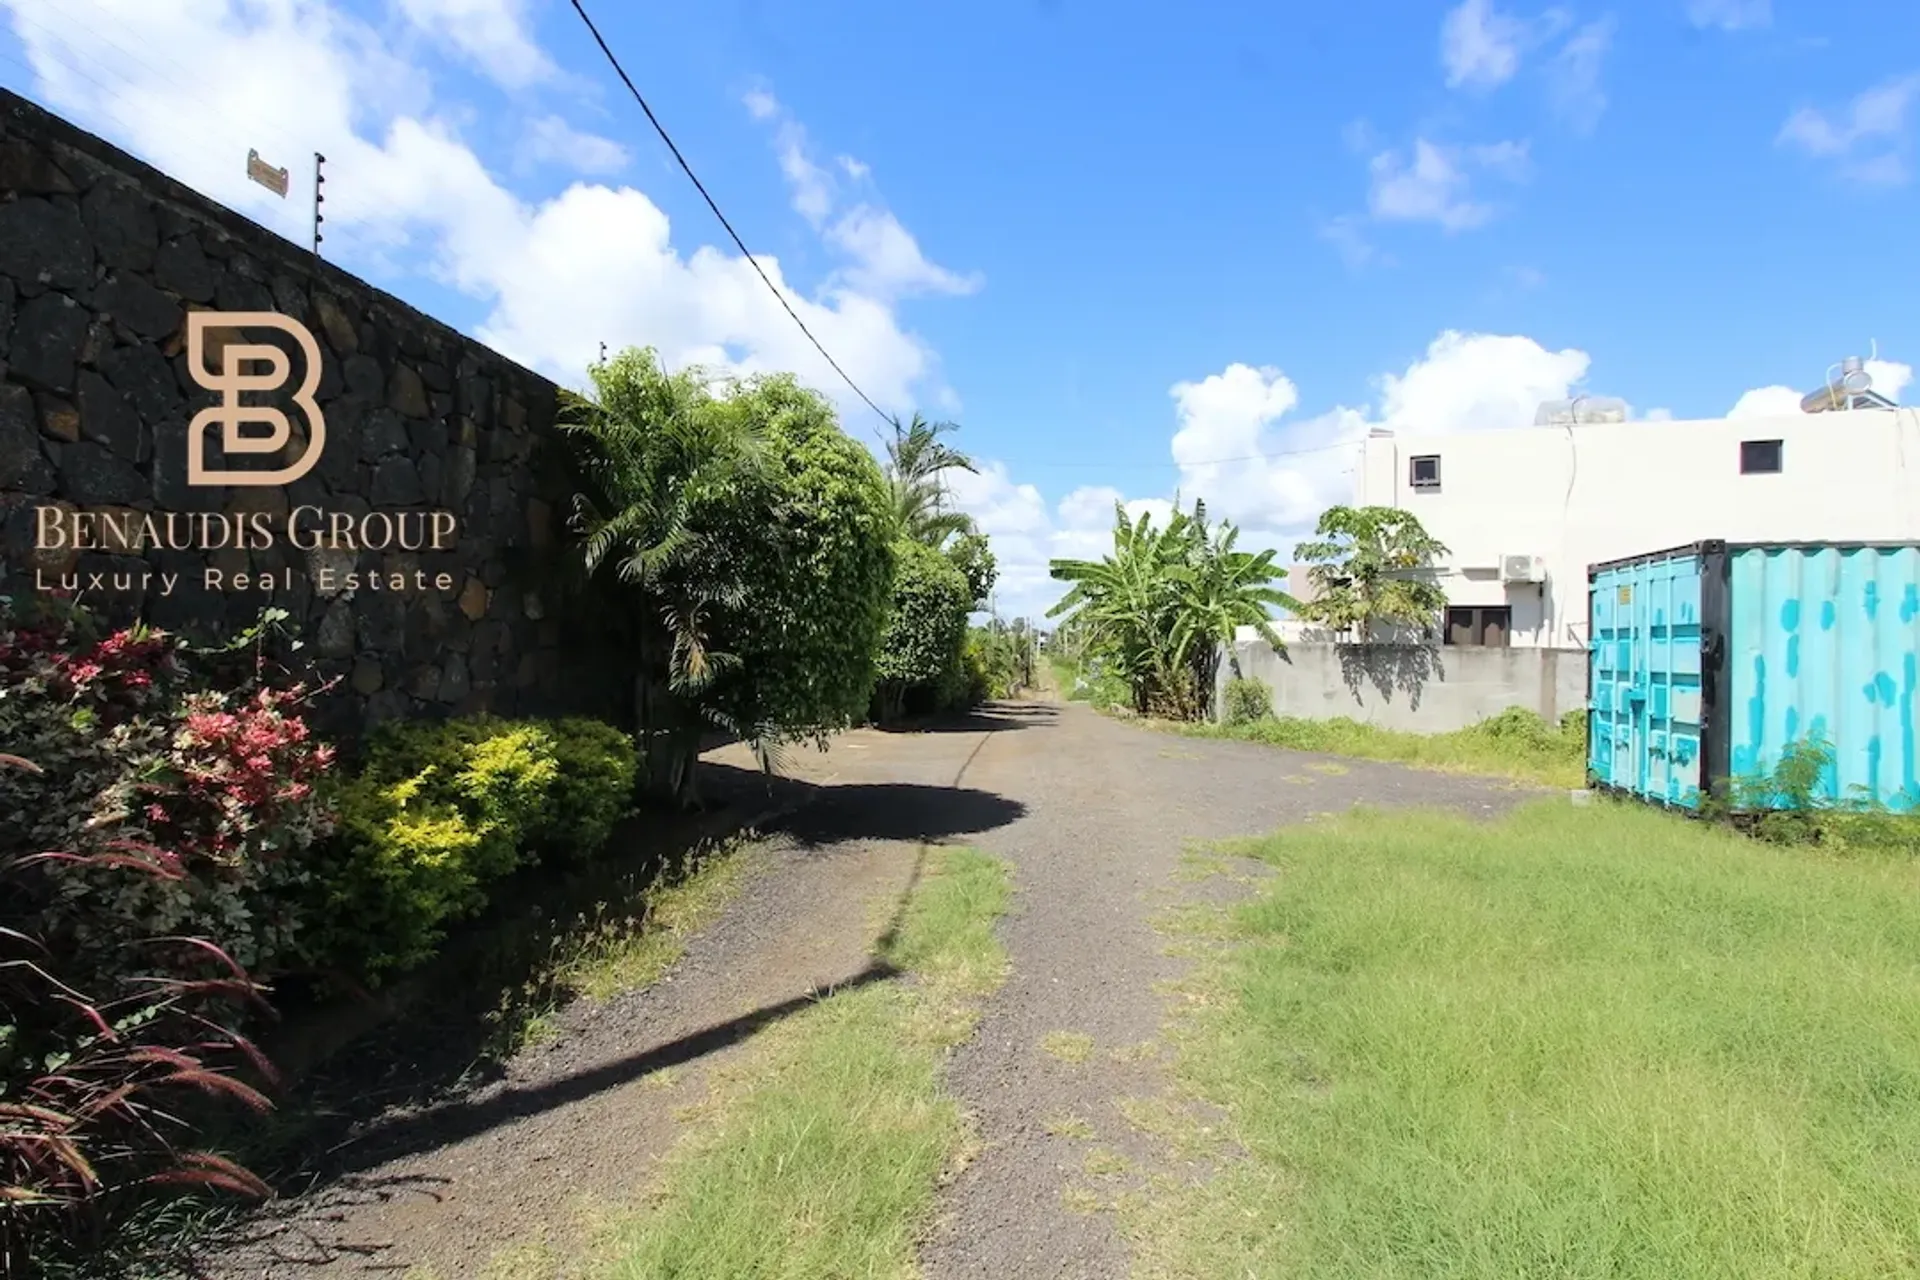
442 810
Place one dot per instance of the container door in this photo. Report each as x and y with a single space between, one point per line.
1645 651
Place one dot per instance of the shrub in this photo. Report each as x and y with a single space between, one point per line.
87 1062
592 789
1247 701
921 649
441 811
216 787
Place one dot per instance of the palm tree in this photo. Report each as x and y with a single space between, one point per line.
1368 570
916 457
654 445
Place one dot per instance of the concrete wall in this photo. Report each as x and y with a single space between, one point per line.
101 259
1416 688
1596 491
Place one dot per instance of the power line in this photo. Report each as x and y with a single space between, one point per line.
701 188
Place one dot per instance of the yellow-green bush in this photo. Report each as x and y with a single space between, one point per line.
592 791
441 811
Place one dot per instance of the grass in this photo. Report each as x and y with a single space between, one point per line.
1579 1042
1515 744
1068 1046
623 944
824 1158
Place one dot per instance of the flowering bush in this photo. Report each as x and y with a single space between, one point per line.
85 1073
215 790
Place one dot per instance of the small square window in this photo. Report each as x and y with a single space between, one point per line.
1759 457
1424 472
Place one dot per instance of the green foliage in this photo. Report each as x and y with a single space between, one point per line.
916 459
443 810
739 547
999 660
592 789
815 532
1247 701
144 744
926 630
1794 804
972 555
1366 567
1516 743
1161 605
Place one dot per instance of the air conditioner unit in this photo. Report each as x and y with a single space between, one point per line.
1523 569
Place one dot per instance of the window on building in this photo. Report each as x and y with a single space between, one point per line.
1424 472
1759 457
1479 626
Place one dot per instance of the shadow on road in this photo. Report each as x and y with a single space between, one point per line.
426 1079
441 1125
993 717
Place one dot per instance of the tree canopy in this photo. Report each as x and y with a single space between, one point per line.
741 548
1368 571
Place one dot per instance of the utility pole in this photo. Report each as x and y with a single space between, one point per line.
319 179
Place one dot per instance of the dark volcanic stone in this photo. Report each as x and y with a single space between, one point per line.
90 473
121 221
145 310
49 334
42 242
182 267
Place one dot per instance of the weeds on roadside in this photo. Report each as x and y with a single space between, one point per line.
624 941
1790 805
1515 744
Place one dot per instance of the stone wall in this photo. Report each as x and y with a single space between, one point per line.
101 259
1419 689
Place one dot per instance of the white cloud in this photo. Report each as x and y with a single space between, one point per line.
1573 78
491 34
1766 402
1870 141
1344 234
1435 185
884 259
1730 15
405 193
1480 47
551 140
1237 445
887 262
1890 378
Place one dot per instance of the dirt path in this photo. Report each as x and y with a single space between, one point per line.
1106 811
1093 816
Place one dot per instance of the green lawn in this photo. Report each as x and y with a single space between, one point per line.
1584 1041
1514 745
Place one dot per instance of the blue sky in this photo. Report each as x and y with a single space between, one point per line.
1115 245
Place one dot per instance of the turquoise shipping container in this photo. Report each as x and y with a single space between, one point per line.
1705 662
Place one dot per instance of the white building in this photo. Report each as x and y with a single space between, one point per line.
1523 512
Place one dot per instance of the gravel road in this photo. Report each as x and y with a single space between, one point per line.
1092 814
